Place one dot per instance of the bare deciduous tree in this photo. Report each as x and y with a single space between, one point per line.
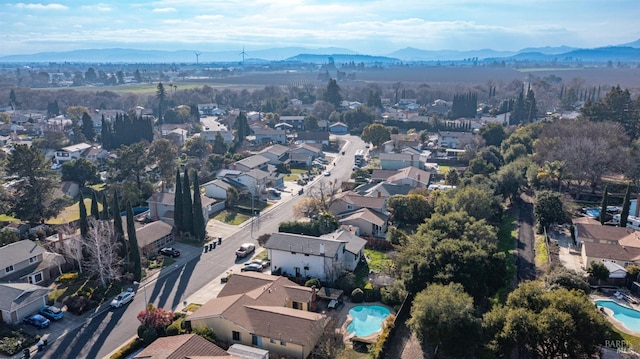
324 193
102 250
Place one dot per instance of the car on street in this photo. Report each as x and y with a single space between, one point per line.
123 298
245 249
169 252
37 320
327 173
51 312
252 267
264 263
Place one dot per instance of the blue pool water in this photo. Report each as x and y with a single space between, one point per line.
592 212
367 319
629 317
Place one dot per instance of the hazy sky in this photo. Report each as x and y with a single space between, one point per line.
366 26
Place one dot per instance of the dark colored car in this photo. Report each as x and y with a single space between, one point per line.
51 312
37 320
264 263
169 252
252 267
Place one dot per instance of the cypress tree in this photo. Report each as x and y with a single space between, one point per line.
117 227
84 225
626 205
187 205
199 230
134 251
178 215
95 213
105 207
603 205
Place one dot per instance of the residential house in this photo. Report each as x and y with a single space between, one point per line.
283 126
217 188
153 236
323 125
351 201
67 188
161 206
602 252
411 176
255 180
313 150
264 311
277 154
26 261
369 222
18 300
354 247
597 233
382 189
177 136
301 159
207 109
19 228
95 154
210 129
339 128
320 137
294 102
70 153
251 163
454 139
182 346
380 175
268 135
396 161
296 121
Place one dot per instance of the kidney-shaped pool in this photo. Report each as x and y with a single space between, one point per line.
367 319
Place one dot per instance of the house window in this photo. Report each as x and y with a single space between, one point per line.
9 269
254 339
297 269
273 341
306 254
235 335
37 278
349 206
296 305
283 343
33 259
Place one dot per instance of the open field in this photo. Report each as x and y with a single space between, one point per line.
72 213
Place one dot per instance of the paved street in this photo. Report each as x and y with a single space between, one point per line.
108 329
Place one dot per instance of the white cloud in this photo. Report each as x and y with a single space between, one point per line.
164 10
41 6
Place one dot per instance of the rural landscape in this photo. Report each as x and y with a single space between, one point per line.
306 200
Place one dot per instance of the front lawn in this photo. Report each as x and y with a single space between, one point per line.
13 340
231 217
82 292
72 213
295 174
378 261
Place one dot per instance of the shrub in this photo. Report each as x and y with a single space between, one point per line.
148 334
12 341
175 328
357 295
67 277
347 282
206 333
78 304
313 282
387 326
306 228
394 294
129 348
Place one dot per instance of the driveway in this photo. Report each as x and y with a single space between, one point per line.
570 257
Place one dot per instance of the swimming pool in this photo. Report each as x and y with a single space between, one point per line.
627 316
367 319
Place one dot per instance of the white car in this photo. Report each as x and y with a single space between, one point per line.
123 298
327 173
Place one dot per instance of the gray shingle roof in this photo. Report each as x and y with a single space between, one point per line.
16 295
18 252
303 244
253 161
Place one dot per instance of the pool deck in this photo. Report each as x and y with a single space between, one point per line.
609 313
343 317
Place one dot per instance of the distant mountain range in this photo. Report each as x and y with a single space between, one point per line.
623 52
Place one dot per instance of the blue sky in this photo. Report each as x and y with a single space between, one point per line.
366 26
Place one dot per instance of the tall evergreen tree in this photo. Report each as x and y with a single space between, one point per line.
161 95
118 229
187 205
84 224
105 207
242 128
95 213
603 205
178 213
332 93
134 250
218 145
531 107
87 127
199 225
626 206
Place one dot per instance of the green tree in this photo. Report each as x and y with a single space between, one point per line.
569 280
87 128
443 317
232 195
199 224
34 192
118 229
332 94
452 177
13 100
95 212
603 205
105 207
83 223
134 250
161 96
197 147
411 209
80 170
626 206
187 204
493 134
163 154
598 271
219 147
130 164
178 214
376 134
548 208
310 123
327 223
75 113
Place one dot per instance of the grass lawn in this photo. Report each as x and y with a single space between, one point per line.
72 213
444 169
378 261
85 286
231 217
191 307
246 203
98 187
295 174
633 342
262 255
7 218
542 257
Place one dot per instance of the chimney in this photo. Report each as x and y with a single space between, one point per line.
321 249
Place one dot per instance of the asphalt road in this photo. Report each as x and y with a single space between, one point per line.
525 261
106 331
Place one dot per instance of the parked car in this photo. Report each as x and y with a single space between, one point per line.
327 173
245 250
169 252
51 312
37 320
264 263
252 267
123 298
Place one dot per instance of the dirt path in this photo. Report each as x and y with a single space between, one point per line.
525 260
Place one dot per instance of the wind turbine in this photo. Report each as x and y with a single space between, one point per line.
197 56
243 54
